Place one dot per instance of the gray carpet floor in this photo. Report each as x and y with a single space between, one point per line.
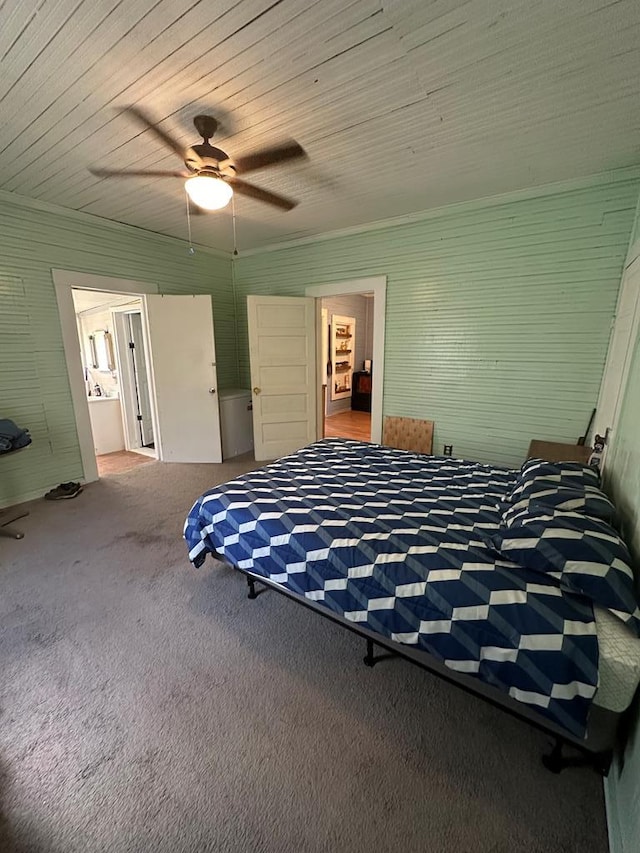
149 706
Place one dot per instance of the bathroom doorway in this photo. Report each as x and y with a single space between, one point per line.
180 368
113 349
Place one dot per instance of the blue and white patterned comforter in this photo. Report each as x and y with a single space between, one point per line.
400 543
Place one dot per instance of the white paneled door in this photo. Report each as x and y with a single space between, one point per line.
182 354
282 349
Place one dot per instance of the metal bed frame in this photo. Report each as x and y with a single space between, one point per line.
599 759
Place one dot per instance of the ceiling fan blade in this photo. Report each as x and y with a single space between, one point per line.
266 157
251 190
142 118
135 173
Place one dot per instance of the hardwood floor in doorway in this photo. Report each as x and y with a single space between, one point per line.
121 460
349 424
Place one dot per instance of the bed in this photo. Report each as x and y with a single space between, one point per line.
451 564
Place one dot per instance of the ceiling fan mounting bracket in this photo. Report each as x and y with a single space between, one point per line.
206 126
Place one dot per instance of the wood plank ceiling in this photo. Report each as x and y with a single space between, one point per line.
402 105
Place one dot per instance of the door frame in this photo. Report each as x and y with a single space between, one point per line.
64 281
378 286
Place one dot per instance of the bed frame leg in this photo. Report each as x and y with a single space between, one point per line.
603 761
369 658
556 762
252 588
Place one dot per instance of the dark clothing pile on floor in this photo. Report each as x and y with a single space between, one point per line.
12 437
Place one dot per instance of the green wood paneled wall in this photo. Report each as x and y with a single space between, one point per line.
34 387
623 480
498 317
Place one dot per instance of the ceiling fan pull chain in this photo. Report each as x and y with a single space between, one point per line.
192 251
233 219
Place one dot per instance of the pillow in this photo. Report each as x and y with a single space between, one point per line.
585 556
546 493
568 473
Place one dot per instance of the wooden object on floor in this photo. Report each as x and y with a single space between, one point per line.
556 451
408 434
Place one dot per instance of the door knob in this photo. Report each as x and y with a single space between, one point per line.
257 390
212 390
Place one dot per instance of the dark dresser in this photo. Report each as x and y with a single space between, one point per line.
361 391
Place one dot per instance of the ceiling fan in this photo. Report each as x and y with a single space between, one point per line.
211 175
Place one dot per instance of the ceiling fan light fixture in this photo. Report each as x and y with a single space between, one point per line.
208 191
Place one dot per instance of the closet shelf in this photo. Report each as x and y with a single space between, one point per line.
342 348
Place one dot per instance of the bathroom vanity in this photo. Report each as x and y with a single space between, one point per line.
106 424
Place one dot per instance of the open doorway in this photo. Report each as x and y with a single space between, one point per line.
350 354
114 356
181 369
288 365
347 332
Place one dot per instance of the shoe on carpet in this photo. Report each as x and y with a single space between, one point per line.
63 492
